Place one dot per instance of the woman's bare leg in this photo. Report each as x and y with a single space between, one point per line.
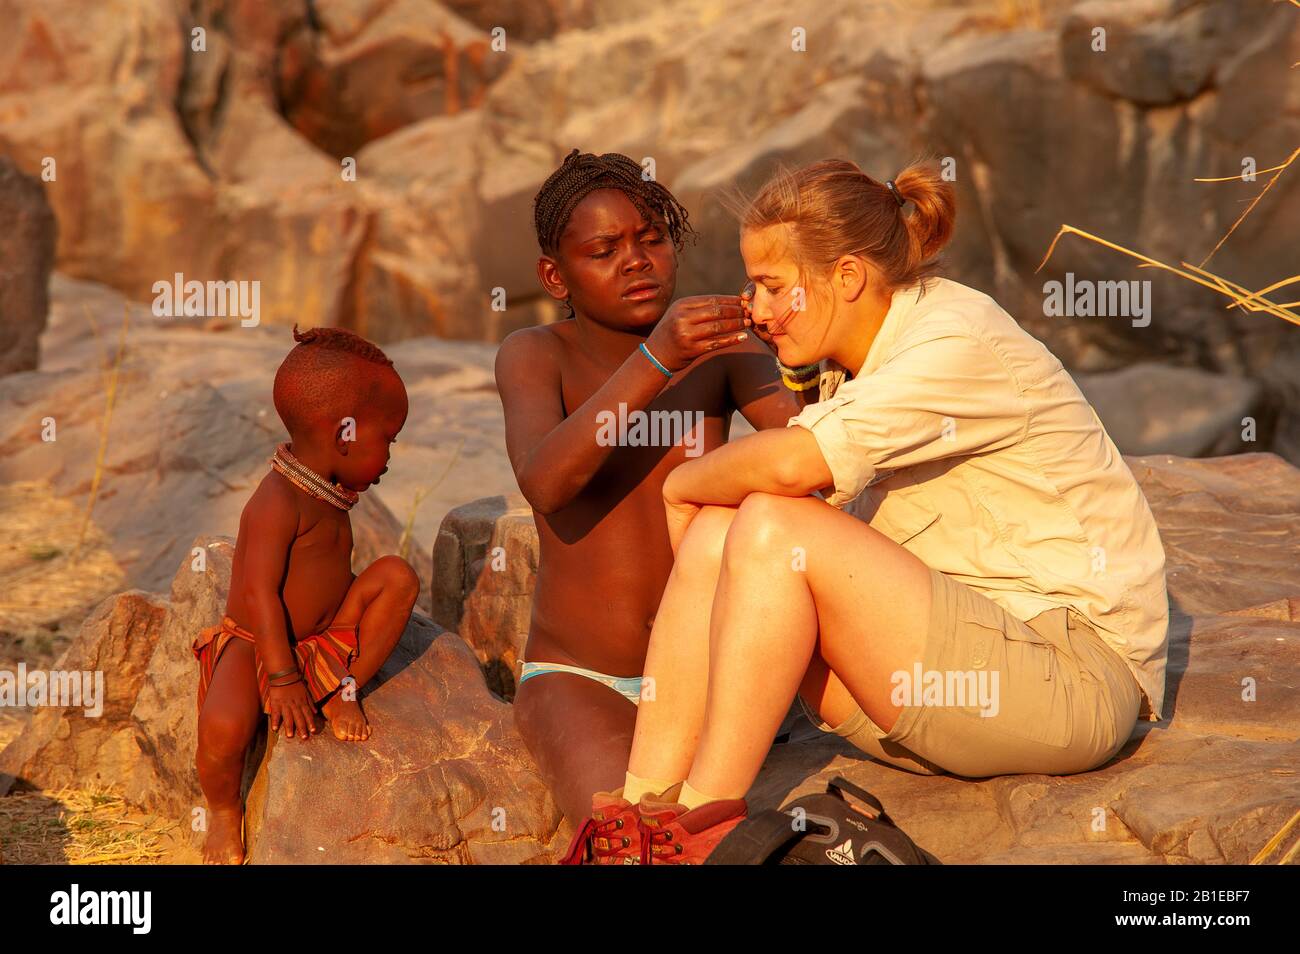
800 577
677 663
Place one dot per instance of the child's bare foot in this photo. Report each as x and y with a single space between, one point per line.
347 719
225 842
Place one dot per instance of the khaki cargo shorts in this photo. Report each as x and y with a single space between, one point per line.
1058 699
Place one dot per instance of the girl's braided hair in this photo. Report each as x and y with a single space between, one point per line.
584 172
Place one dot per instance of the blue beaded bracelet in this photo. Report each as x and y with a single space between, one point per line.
646 351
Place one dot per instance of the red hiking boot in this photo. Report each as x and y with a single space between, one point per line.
672 834
610 836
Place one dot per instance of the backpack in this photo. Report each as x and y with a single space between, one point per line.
846 825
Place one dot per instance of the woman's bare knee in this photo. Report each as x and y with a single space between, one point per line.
704 540
763 523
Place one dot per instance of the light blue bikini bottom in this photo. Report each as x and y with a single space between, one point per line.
629 687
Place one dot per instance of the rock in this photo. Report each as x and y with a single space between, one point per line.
846 118
133 204
355 71
1209 784
1229 528
66 746
224 162
451 249
1166 104
458 784
445 779
1158 52
27 254
485 564
1145 807
185 163
543 19
1151 408
415 275
506 252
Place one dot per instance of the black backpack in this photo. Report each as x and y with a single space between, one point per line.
846 825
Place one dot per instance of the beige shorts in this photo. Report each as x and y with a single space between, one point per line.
998 696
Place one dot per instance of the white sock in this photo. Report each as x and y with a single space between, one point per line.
635 786
694 798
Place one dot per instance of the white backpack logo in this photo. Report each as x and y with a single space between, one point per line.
842 854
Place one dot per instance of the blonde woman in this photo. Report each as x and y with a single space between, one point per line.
996 604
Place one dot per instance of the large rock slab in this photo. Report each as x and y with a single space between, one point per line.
1151 408
444 777
66 746
1209 784
1230 528
485 564
1170 797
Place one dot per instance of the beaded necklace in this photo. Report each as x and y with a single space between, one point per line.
308 481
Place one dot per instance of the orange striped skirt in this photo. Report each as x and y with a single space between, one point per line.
323 658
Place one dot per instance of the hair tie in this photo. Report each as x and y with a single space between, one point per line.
897 195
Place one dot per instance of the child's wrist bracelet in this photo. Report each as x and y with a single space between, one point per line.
653 360
281 675
285 685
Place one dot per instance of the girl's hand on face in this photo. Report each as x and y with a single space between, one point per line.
747 303
695 326
775 325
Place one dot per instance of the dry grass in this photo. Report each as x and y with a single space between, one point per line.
46 592
1277 174
404 542
1241 296
81 827
111 373
1290 856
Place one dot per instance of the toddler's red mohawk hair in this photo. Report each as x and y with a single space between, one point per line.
325 376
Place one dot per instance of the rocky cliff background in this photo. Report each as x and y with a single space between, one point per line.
372 163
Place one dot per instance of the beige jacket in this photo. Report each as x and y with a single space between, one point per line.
963 439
